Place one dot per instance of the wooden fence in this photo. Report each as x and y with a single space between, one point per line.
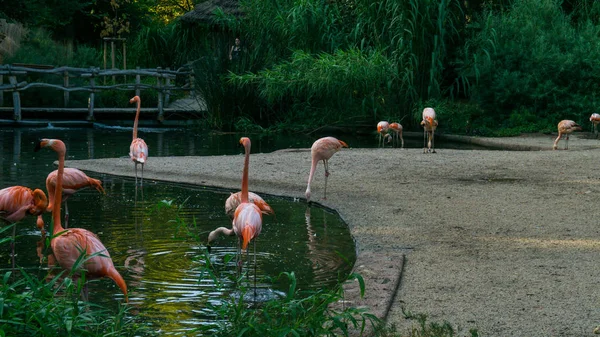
165 79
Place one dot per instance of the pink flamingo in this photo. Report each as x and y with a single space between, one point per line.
429 124
396 128
73 181
15 203
595 119
235 199
382 130
138 150
68 244
565 127
322 149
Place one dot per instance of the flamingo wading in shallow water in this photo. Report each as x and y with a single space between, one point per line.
73 181
322 149
138 150
429 124
68 244
565 127
15 203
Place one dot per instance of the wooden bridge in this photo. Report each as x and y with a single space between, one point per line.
165 87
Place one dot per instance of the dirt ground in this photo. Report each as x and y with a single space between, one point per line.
505 241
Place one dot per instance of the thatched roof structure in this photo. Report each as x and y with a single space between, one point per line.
205 12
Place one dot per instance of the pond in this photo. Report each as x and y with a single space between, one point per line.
159 262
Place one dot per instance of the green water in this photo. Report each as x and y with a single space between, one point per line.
160 264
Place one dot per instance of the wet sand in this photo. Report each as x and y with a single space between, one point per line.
505 241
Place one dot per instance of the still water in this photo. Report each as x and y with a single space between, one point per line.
160 261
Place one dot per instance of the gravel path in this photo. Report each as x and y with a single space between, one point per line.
502 241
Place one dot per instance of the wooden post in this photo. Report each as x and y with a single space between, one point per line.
1 91
124 60
90 116
167 91
16 98
112 58
137 81
104 59
66 85
161 117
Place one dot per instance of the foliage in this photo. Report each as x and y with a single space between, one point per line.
50 306
532 67
423 328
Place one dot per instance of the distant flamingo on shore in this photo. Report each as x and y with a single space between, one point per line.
68 244
73 181
565 127
138 150
16 202
382 130
595 119
322 149
396 129
429 124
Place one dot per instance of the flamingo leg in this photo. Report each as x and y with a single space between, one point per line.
567 142
66 215
254 268
424 140
142 180
402 139
432 141
326 164
12 246
136 174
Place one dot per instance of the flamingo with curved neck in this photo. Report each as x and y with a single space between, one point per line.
138 150
68 243
322 149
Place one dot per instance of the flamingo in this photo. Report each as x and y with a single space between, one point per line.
429 124
382 128
322 149
565 127
15 203
68 244
236 198
138 150
73 181
396 128
595 119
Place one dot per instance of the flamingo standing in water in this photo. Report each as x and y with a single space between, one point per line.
396 129
235 199
68 244
322 149
595 119
565 127
429 124
15 203
73 181
138 150
382 130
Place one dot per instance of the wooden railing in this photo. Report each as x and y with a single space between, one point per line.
165 79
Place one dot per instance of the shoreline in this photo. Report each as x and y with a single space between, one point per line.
501 241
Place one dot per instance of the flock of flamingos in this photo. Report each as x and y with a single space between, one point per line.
245 208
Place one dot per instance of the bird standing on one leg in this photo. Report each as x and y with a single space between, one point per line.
73 181
138 150
565 127
68 244
15 203
382 130
429 124
322 149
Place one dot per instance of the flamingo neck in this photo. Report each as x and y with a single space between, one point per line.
245 174
60 149
135 122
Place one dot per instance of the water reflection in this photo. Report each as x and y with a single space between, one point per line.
160 250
